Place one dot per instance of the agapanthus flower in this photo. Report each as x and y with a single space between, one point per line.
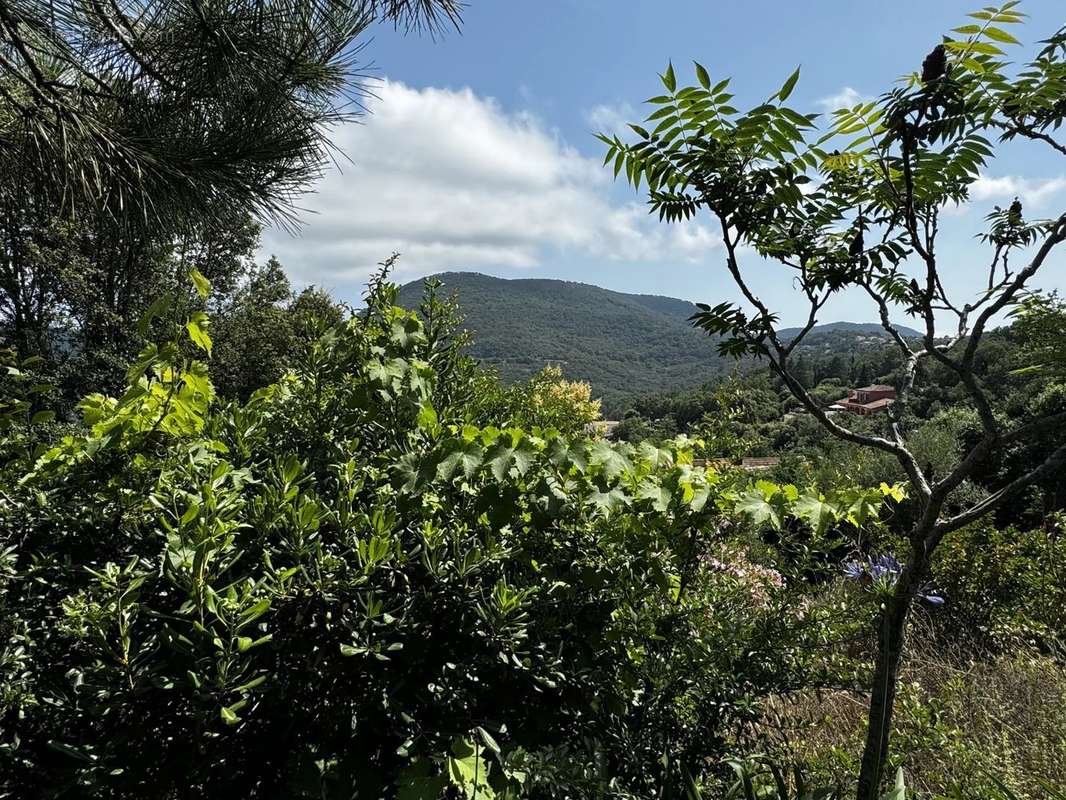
883 570
885 567
854 570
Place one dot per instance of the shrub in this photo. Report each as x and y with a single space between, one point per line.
1007 587
344 583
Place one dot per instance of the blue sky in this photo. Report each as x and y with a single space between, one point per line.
479 155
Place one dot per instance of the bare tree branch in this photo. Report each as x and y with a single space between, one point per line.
1054 238
1054 462
779 362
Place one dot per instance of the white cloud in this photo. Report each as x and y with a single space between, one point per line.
1032 192
845 98
452 181
613 119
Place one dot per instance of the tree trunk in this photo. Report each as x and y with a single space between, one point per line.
883 691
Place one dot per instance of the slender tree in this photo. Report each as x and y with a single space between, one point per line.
860 208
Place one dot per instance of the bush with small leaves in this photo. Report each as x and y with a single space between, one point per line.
345 582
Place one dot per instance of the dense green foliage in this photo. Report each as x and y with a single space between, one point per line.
72 296
169 110
139 139
366 575
625 345
350 581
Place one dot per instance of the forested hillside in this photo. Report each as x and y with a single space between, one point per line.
624 345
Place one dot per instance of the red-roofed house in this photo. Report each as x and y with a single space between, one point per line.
869 399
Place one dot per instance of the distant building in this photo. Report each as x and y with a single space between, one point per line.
748 463
768 462
869 399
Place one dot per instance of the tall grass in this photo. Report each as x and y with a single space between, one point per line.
967 726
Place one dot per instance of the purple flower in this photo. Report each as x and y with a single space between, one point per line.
883 569
854 570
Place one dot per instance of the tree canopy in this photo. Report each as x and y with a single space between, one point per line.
160 110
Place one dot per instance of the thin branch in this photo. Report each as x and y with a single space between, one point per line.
992 269
734 270
902 454
886 323
816 305
12 26
990 443
128 45
780 366
1053 463
1031 133
1057 235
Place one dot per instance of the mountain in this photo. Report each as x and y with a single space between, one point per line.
864 328
625 345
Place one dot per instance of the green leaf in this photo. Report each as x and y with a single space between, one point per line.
42 417
228 716
420 787
197 328
668 79
659 495
754 504
1000 35
202 284
254 682
499 460
702 76
692 789
790 84
159 307
699 498
983 48
488 740
468 770
899 790
197 381
896 491
427 418
608 501
463 456
254 611
523 459
815 512
610 461
415 471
